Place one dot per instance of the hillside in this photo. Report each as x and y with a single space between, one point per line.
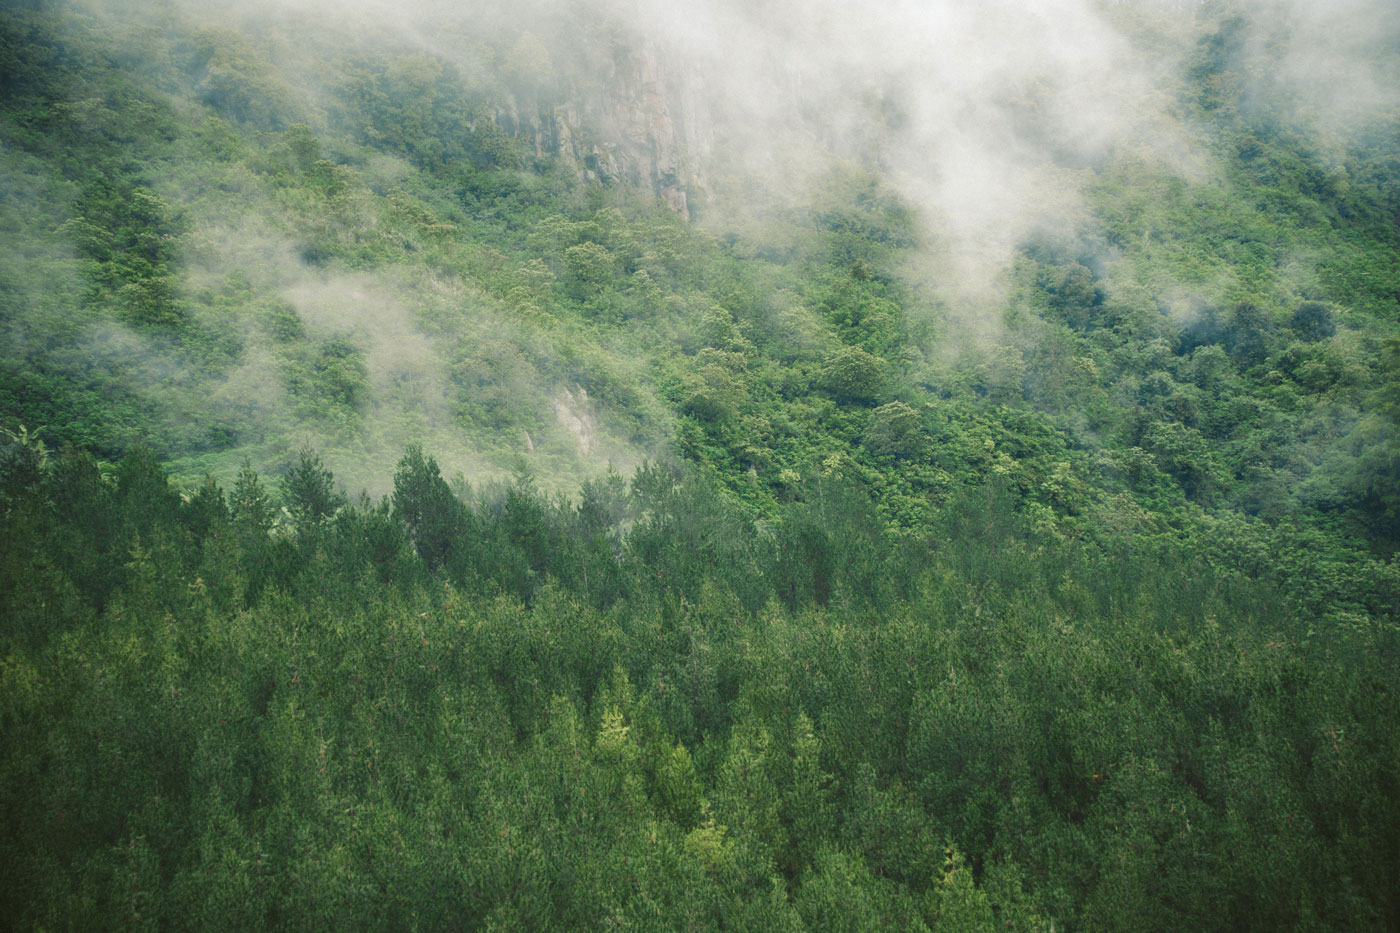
566 465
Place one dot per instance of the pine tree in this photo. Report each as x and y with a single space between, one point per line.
309 492
437 522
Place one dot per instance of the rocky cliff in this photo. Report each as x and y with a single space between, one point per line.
641 122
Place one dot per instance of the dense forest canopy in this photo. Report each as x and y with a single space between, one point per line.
566 465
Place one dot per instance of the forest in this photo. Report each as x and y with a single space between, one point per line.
457 475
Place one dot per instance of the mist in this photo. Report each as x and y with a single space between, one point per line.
404 327
980 113
987 119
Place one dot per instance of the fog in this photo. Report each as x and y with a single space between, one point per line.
968 104
389 317
988 118
984 116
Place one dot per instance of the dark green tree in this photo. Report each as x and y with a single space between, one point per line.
438 523
309 493
1312 321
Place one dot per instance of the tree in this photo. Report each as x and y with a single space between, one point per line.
309 493
437 522
1073 295
747 797
205 509
252 512
678 793
302 145
852 374
143 492
957 905
893 430
23 463
1184 454
590 267
250 506
1248 334
1204 328
806 806
1313 321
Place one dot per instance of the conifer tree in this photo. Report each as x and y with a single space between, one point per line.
309 492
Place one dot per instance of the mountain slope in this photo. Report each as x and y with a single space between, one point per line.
937 489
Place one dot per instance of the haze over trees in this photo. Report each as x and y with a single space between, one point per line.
496 468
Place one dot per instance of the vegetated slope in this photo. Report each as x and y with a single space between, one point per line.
1090 622
215 278
642 709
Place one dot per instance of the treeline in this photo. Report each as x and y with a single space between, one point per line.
451 708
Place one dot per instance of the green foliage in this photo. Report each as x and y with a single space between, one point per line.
760 353
894 429
956 903
853 374
330 381
309 493
203 742
436 521
1077 614
589 266
1312 321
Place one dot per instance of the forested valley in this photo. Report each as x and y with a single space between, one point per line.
461 470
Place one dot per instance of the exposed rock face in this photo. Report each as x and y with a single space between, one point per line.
575 414
644 127
642 119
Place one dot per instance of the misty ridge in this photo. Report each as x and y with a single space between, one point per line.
980 113
987 125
